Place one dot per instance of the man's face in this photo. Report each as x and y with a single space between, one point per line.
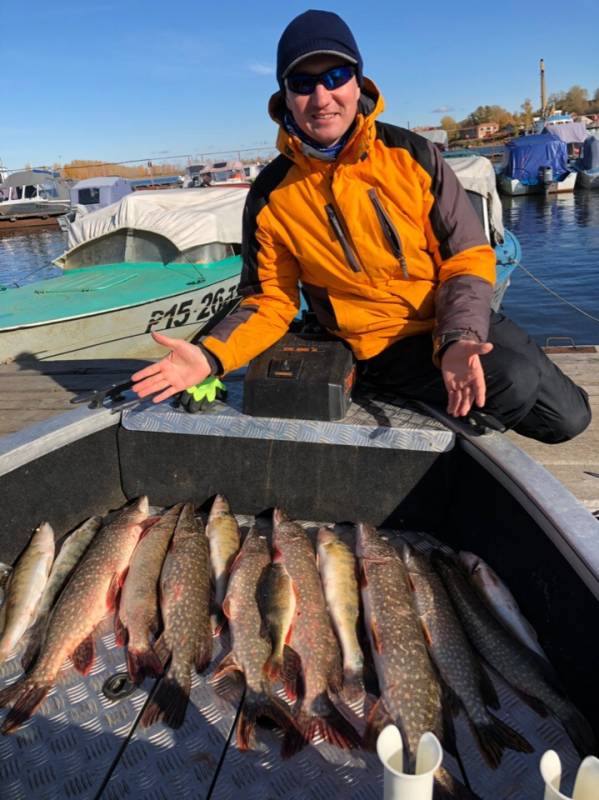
324 115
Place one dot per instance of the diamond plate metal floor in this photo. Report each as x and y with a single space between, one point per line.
81 746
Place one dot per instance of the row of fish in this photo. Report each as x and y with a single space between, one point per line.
294 620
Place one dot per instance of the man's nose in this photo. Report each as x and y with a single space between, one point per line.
320 96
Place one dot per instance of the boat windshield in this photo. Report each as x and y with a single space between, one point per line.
48 191
22 192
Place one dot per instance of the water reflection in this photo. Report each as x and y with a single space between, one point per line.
27 256
560 246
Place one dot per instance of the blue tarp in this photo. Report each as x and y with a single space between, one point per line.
589 159
527 154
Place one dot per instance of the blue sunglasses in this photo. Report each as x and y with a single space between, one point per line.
331 79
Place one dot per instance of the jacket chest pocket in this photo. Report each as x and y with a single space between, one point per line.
390 232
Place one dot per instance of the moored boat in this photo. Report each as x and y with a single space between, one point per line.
471 490
587 166
153 261
32 194
536 165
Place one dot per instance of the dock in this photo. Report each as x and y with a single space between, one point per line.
31 392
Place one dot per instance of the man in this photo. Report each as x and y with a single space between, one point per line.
376 227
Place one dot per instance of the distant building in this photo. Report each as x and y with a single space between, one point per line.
482 131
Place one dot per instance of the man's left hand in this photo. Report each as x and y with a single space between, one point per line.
463 376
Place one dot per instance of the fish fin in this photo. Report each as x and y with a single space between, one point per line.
333 728
143 662
121 634
35 637
451 701
487 689
162 649
378 717
227 608
428 637
537 705
580 732
27 696
291 673
376 639
273 667
450 707
168 704
494 738
203 654
218 622
226 665
112 596
84 654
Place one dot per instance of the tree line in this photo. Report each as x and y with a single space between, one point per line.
575 101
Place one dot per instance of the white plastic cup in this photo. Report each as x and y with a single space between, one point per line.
400 785
586 786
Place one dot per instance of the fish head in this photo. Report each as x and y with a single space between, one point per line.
279 516
416 561
44 537
369 544
141 506
219 507
470 560
254 542
326 538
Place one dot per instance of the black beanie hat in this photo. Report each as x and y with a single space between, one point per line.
316 32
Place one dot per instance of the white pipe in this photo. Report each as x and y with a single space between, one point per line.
586 786
399 785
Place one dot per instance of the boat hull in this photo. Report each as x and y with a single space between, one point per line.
22 209
514 187
588 180
116 332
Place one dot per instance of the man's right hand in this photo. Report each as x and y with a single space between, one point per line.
185 366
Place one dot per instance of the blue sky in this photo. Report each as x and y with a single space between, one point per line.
132 79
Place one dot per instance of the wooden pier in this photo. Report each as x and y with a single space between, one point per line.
33 391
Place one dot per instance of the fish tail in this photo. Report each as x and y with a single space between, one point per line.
353 685
143 662
580 732
261 705
495 737
449 788
168 704
332 727
26 696
273 667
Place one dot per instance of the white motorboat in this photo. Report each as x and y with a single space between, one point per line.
33 193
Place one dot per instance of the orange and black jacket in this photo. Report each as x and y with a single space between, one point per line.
383 240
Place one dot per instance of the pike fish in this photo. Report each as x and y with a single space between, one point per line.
185 605
313 641
138 617
523 669
249 649
25 588
500 600
277 603
411 695
69 555
337 567
223 535
458 665
90 593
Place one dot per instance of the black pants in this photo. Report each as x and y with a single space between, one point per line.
526 391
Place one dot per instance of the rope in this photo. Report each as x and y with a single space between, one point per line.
559 297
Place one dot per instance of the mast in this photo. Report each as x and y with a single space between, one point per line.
543 95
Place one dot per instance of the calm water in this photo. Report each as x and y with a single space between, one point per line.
560 246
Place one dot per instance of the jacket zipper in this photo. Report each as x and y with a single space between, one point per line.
390 231
343 240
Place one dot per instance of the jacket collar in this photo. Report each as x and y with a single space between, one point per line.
370 105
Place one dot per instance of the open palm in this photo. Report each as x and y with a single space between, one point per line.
463 376
183 367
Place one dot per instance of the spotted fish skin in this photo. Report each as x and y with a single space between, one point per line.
90 593
515 662
312 638
25 588
457 663
249 648
337 567
224 538
185 605
138 617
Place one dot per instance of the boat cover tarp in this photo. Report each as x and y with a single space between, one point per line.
476 174
568 132
527 154
186 217
590 154
437 135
